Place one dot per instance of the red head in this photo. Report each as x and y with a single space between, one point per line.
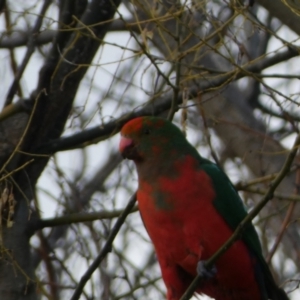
151 138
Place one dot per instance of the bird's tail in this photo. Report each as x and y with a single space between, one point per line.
273 291
270 287
280 294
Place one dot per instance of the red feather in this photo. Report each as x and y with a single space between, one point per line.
191 230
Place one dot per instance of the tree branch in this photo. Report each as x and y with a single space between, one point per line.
107 248
99 133
21 38
81 217
278 9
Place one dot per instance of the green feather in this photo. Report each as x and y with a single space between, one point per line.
230 206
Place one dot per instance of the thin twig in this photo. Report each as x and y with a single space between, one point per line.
30 49
176 89
281 232
13 61
143 46
277 195
285 222
23 135
107 248
9 174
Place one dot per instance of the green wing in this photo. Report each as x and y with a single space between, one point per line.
230 206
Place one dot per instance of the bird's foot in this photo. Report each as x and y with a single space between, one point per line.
204 272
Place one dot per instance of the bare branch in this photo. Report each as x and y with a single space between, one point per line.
82 217
105 249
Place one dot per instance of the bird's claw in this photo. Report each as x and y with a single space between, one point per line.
204 272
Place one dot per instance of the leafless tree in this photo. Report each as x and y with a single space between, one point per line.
73 72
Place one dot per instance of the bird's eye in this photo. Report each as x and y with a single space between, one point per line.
147 131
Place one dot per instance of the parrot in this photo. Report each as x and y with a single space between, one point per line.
190 208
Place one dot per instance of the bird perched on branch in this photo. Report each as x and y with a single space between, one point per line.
190 208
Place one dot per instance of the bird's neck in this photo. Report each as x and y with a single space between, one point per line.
153 168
